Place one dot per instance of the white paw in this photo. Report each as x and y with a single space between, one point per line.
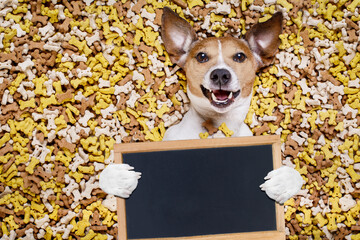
119 180
283 183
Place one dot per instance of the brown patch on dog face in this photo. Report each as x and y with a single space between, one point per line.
196 71
246 70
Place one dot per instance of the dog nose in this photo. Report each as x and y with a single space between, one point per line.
220 76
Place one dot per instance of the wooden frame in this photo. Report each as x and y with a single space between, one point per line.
273 140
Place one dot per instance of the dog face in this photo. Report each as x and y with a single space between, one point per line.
220 71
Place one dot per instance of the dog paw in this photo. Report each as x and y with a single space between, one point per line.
119 180
283 183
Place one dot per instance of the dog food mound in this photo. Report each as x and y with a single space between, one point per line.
76 77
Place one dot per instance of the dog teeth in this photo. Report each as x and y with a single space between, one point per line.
213 96
230 95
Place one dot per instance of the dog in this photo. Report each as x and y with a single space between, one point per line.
220 76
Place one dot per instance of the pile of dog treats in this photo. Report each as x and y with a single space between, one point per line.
76 77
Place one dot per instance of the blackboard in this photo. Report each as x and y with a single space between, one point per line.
201 188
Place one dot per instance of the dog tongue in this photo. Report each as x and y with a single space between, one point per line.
221 95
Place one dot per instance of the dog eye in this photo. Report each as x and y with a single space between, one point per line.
239 57
202 57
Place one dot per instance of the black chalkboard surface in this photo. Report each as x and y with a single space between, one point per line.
200 188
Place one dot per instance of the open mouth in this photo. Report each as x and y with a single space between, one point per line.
220 98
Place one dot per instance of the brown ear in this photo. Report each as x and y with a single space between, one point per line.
177 35
263 39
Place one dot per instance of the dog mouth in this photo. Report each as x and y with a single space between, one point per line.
219 97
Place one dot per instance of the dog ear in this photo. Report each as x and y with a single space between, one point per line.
177 35
263 39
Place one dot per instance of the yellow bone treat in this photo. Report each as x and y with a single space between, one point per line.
30 168
225 130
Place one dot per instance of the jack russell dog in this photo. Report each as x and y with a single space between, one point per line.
220 76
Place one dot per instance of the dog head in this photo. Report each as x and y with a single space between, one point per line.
220 71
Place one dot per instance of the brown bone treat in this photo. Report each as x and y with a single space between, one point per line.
311 178
260 130
5 118
121 105
129 37
113 232
4 85
35 186
36 45
12 107
342 233
95 218
40 68
21 231
138 5
334 99
125 79
19 56
62 212
352 35
208 125
161 97
259 2
68 5
77 7
232 24
120 10
172 89
291 93
7 165
350 23
355 228
68 95
40 172
97 191
99 228
147 75
64 26
328 77
319 179
157 84
295 119
39 19
306 40
146 48
137 134
133 121
69 46
291 229
65 144
138 55
296 226
180 3
87 103
4 211
279 116
158 16
60 203
82 66
97 46
315 198
8 56
32 32
303 237
67 200
89 201
297 5
59 172
328 129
